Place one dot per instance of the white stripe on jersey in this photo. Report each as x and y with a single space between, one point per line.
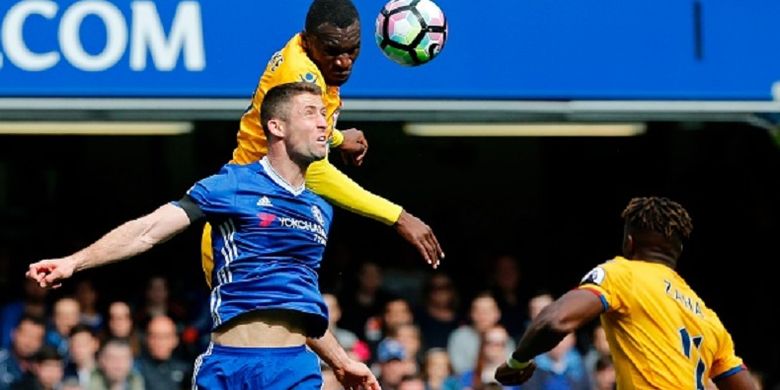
198 363
216 300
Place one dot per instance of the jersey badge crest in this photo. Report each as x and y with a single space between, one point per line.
315 211
595 276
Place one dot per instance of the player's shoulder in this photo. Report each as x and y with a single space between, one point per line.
318 201
617 267
293 64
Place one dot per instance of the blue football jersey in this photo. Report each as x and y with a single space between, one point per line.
268 240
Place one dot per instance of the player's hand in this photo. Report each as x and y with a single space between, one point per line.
51 273
512 377
354 147
420 235
356 376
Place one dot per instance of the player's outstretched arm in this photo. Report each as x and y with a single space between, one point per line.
324 179
350 373
739 381
127 240
565 315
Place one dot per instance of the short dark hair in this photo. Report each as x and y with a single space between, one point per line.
47 352
36 320
81 328
122 343
340 13
660 215
276 99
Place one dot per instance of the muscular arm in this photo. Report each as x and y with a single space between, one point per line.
324 179
738 381
127 240
565 315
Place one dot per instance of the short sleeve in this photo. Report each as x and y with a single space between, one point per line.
215 194
725 362
611 282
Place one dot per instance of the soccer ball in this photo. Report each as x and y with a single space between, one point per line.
411 32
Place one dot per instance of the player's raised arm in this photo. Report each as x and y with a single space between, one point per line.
325 180
127 240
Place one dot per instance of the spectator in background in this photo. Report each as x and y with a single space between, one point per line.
390 357
411 382
47 371
464 343
356 348
439 315
120 326
66 315
26 340
345 337
510 294
492 353
115 362
561 368
397 312
160 369
157 301
604 374
598 350
437 371
365 301
409 336
538 301
82 364
87 297
32 304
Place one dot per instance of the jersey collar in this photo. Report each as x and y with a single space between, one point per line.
278 179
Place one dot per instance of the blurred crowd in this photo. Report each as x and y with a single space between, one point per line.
435 339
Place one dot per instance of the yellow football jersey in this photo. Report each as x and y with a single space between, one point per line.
660 333
291 64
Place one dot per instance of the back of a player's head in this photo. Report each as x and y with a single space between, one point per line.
659 222
276 103
339 13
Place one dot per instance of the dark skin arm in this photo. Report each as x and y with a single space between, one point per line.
738 381
567 314
354 147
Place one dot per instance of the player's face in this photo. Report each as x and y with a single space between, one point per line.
334 50
306 135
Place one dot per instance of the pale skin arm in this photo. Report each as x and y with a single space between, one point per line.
129 239
350 373
565 315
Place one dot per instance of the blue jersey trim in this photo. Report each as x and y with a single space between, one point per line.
729 373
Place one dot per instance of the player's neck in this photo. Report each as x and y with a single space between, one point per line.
654 256
292 172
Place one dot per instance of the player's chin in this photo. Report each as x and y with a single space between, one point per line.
338 79
320 154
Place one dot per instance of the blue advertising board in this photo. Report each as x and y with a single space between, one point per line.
501 49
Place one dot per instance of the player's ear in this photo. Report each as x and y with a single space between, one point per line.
305 40
276 128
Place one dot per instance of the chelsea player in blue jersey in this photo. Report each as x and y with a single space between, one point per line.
270 236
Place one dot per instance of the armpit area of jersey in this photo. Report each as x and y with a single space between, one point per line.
194 213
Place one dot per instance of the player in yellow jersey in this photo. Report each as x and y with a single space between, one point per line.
660 333
324 54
